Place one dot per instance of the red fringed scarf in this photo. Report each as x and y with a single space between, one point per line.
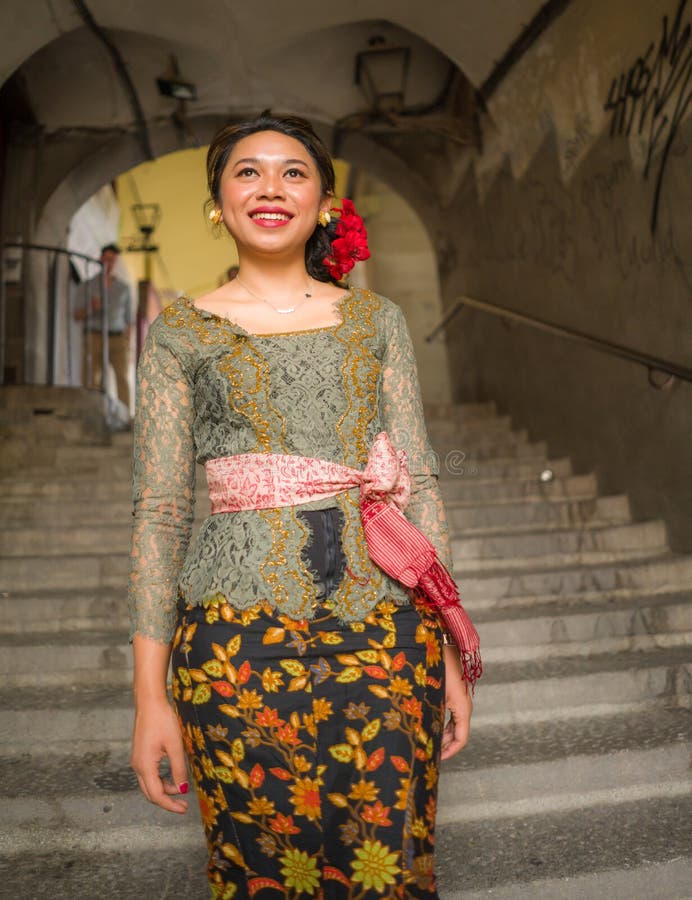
270 480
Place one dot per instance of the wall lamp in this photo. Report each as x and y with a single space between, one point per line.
382 73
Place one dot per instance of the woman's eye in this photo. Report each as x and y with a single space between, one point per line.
247 171
295 173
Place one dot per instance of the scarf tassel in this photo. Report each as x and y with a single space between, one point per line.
403 552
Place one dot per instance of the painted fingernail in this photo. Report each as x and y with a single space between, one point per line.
182 787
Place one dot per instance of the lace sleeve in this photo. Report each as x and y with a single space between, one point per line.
163 488
402 412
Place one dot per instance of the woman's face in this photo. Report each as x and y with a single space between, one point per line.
271 193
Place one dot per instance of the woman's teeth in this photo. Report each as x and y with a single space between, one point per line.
282 216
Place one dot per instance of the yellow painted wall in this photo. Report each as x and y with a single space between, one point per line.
190 258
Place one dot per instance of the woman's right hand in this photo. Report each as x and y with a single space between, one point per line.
157 736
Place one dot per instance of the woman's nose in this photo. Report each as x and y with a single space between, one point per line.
270 186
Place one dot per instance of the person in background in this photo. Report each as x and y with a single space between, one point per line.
119 325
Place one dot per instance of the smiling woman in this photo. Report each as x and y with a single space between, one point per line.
271 186
310 683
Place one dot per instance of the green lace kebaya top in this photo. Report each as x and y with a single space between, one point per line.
207 388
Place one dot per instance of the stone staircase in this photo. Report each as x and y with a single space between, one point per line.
574 783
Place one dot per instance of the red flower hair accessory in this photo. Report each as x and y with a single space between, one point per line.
350 243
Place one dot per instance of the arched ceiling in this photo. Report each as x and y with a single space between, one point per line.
240 55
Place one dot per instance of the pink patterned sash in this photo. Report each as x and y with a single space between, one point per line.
270 480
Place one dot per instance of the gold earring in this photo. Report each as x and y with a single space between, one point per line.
216 215
324 218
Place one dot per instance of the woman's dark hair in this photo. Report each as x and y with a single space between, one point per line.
320 241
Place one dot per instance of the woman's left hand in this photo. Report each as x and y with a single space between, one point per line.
458 703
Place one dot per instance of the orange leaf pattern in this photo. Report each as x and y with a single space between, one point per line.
316 771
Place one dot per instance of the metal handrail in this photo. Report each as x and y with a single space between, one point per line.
53 292
652 363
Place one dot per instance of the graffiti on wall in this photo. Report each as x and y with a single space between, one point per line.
650 98
576 145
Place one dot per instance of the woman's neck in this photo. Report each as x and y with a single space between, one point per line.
274 278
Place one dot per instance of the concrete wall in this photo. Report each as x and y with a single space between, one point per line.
403 266
564 231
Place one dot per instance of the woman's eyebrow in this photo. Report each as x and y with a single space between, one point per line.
253 159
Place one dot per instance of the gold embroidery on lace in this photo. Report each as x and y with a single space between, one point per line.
241 395
275 568
362 579
360 363
179 315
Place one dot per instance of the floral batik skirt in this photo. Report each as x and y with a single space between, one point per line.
314 748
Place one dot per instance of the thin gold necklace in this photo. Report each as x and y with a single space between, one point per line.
283 311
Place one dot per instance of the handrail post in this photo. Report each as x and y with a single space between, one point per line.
445 320
3 313
53 309
104 331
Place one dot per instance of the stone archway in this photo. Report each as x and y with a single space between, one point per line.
86 136
413 207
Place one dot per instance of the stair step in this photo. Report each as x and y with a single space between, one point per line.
483 444
84 719
572 782
454 434
437 425
67 610
599 684
527 587
615 845
451 453
498 544
24 489
591 629
83 571
560 546
456 473
66 658
527 515
26 486
468 491
57 540
554 739
17 513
